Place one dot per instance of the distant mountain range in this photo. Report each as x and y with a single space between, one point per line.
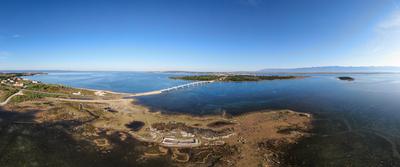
336 69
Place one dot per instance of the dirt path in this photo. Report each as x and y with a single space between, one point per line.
10 97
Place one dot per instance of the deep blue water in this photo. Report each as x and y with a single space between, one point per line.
323 92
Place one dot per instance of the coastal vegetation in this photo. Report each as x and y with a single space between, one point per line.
11 75
112 126
71 127
198 77
29 96
27 90
234 78
6 92
53 88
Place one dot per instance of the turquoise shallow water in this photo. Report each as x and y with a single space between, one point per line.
129 82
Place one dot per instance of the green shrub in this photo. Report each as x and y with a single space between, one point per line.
28 96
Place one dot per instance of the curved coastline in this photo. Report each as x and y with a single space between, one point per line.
107 114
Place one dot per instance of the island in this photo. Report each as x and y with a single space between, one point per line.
63 123
345 78
234 78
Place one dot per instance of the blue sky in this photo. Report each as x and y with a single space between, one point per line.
200 35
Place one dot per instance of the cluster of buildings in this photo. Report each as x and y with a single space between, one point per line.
16 82
182 139
175 142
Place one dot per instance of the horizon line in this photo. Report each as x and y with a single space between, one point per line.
200 71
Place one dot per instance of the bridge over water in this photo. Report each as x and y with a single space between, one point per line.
166 90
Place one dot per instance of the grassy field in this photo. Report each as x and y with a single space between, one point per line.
6 91
52 88
29 96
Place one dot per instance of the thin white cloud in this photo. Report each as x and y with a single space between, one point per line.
392 23
383 48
